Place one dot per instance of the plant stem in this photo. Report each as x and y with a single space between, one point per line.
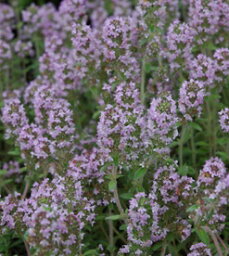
120 236
26 189
193 149
104 231
163 251
223 244
27 248
111 234
116 196
209 129
215 240
143 81
181 147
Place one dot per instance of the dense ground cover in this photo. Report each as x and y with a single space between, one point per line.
114 127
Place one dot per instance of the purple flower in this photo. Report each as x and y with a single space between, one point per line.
224 119
191 98
162 122
199 249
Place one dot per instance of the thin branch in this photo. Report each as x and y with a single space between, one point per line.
26 189
223 244
215 240
163 251
27 248
143 81
111 234
116 197
120 236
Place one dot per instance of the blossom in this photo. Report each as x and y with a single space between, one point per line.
199 249
14 116
161 122
179 40
191 98
224 119
204 68
119 127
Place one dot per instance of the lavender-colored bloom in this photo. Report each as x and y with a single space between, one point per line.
119 128
23 48
117 36
199 249
213 170
75 8
179 42
149 215
191 98
86 43
13 116
60 125
5 52
224 119
33 142
205 17
12 169
54 215
6 13
204 68
161 122
212 192
7 16
44 19
221 56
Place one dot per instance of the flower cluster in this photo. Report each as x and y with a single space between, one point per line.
14 116
204 68
162 122
191 98
199 249
148 214
179 40
55 215
224 119
12 169
171 197
99 101
119 127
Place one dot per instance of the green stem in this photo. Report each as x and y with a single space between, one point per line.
111 234
193 149
116 196
181 147
163 251
120 236
143 81
209 129
215 240
27 248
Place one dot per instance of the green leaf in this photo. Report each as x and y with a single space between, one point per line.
123 227
186 134
96 114
202 143
157 246
112 185
3 172
203 235
126 196
140 173
196 127
90 252
15 152
183 170
223 155
192 208
114 217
